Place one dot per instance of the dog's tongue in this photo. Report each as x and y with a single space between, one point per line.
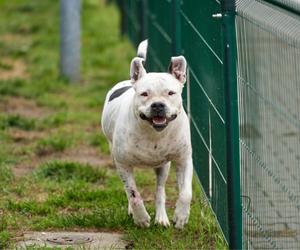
159 120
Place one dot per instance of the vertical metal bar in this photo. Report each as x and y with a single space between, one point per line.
232 125
143 20
176 28
70 39
188 93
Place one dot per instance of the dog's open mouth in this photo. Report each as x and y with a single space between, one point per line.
158 122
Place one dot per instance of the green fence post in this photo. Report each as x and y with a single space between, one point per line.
232 127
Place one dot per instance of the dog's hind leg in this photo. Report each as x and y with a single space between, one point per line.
161 216
136 204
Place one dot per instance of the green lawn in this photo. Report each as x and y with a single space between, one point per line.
55 169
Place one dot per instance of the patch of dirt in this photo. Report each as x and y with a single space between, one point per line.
12 69
23 107
24 168
25 137
10 38
84 155
147 194
41 196
171 203
88 155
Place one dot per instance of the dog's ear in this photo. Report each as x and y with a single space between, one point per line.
137 69
177 68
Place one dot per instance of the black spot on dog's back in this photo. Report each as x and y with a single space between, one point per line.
118 92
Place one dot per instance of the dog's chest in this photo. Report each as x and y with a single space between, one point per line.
153 153
139 151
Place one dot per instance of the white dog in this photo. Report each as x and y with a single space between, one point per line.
146 126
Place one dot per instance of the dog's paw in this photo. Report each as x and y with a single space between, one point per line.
141 219
139 213
161 218
142 222
181 214
180 220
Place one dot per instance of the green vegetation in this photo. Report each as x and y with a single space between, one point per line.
99 140
65 171
55 143
16 121
55 170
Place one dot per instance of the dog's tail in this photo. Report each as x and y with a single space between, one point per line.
142 49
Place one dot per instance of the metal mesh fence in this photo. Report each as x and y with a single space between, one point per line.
202 46
292 5
268 40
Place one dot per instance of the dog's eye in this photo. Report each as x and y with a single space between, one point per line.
144 94
171 93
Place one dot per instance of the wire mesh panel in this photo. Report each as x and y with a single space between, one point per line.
292 5
269 103
202 47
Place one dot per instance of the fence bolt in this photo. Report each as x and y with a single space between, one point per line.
217 15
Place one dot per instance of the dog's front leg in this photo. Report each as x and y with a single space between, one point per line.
184 173
135 202
161 216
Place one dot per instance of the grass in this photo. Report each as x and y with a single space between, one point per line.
65 171
99 140
55 172
16 121
54 143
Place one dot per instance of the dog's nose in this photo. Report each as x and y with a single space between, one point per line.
158 106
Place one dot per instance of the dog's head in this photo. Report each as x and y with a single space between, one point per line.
158 95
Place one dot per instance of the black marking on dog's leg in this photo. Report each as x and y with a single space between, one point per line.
132 193
155 146
118 92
